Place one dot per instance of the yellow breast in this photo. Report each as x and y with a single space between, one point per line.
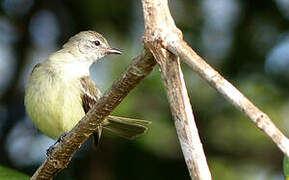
52 102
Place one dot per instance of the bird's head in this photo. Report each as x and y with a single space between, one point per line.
90 45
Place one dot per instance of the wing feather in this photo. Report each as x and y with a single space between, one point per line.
90 94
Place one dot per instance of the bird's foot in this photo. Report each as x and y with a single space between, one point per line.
59 140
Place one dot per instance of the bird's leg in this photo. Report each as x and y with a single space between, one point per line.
59 140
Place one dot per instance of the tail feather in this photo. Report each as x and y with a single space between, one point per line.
125 127
97 136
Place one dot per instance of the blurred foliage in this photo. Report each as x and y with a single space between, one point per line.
286 167
246 41
9 174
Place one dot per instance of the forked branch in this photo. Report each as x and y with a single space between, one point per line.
158 26
169 37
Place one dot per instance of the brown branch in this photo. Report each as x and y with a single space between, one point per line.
158 25
233 95
63 151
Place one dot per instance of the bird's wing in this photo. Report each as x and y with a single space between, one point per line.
124 127
90 94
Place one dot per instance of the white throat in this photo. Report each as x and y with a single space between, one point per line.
68 67
75 70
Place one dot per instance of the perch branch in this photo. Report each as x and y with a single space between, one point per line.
158 24
63 151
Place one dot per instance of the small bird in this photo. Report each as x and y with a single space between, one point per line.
60 92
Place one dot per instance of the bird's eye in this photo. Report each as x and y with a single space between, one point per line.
97 43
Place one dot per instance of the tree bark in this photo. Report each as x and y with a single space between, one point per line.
159 26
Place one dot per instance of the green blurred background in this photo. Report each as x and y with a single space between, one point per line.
246 41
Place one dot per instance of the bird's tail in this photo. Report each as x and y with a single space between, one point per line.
125 127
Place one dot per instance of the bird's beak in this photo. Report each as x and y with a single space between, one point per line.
113 51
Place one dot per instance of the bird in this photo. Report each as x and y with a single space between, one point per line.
60 91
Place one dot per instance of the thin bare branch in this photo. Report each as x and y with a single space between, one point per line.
233 95
160 28
63 151
158 25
